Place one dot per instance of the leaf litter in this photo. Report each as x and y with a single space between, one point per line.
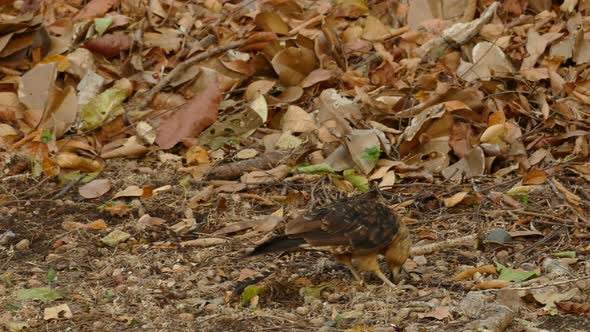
212 123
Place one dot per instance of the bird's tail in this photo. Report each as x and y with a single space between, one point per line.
281 243
269 269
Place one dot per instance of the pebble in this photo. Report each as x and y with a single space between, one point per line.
502 256
290 316
32 283
132 280
554 266
420 260
473 304
317 321
23 244
98 325
210 307
326 329
302 310
187 317
334 297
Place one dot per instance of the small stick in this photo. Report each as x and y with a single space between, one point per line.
312 21
432 247
182 67
392 34
69 186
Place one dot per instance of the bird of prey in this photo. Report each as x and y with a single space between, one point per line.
355 231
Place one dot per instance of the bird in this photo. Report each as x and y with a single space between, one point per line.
354 231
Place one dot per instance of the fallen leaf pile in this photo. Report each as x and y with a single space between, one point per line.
264 106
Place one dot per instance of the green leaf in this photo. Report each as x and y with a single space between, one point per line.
109 203
12 307
51 275
6 279
566 254
249 293
316 291
359 181
515 275
372 154
115 237
44 294
312 169
103 107
102 24
46 136
36 168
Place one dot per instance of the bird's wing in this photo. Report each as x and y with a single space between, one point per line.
360 227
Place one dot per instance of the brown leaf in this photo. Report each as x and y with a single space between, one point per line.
468 273
293 64
197 155
573 307
109 45
455 199
203 242
119 210
129 147
95 188
95 8
493 284
73 161
439 313
272 22
131 191
192 119
534 176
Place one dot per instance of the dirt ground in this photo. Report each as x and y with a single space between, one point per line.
149 283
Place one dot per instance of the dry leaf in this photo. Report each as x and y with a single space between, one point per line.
55 312
468 273
109 45
192 119
534 176
493 284
95 188
260 177
203 242
130 191
455 199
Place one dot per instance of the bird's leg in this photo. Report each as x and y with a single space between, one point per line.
381 276
347 260
355 274
369 263
396 272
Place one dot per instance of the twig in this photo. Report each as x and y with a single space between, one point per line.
556 283
305 24
540 215
182 67
235 170
432 247
69 186
34 187
392 34
16 176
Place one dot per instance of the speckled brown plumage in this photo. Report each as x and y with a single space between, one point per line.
354 231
